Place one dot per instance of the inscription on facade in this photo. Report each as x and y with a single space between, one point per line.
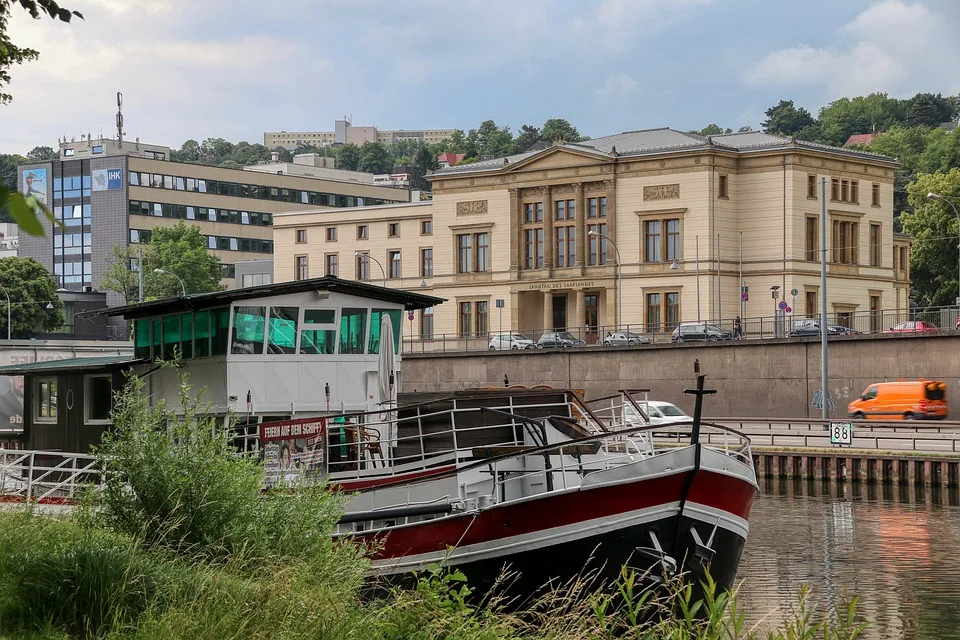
471 207
661 192
577 284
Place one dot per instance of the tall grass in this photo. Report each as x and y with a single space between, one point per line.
182 544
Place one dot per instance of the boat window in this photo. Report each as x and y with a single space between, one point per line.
141 339
171 336
157 338
99 398
46 408
186 335
219 327
248 326
319 333
282 336
353 330
376 318
201 334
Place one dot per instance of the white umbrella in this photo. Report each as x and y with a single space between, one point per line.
387 371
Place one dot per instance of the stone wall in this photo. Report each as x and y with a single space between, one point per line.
753 378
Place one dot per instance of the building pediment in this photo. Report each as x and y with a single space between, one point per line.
558 158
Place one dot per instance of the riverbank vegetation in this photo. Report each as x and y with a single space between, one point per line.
182 544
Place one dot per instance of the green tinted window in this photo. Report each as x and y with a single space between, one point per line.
186 336
201 334
171 336
141 340
376 320
319 333
353 330
248 329
282 336
219 328
157 338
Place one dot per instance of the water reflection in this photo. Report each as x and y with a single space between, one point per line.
894 546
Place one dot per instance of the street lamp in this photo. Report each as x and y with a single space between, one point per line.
597 234
183 287
383 271
937 196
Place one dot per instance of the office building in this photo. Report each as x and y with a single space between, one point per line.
642 228
346 133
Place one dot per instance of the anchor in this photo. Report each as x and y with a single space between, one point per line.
703 552
668 564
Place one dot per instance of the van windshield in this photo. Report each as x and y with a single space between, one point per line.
935 391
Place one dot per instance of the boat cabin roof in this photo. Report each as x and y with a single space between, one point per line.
87 365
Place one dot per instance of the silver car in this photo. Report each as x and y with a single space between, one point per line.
511 341
624 338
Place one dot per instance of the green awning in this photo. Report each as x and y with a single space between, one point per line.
90 365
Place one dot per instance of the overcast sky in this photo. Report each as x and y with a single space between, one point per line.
237 68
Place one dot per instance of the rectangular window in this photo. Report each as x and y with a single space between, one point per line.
651 233
482 313
376 320
591 207
483 251
835 188
393 260
464 253
598 244
560 210
855 191
528 212
301 236
426 263
426 227
810 241
300 270
393 230
672 310
331 234
811 186
201 334
186 335
141 339
248 330
426 323
874 245
810 303
319 333
673 239
845 190
565 246
875 195
361 232
282 335
466 319
654 317
219 326
46 401
722 189
171 336
538 212
875 315
332 268
353 330
363 267
99 398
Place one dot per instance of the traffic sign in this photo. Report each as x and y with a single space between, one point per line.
745 296
789 309
841 433
410 316
782 305
499 303
794 293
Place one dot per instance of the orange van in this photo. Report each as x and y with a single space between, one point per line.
913 400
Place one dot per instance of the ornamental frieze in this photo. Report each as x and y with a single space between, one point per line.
471 207
661 192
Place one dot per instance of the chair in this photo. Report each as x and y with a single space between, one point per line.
370 444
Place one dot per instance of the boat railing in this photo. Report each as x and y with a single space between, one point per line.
46 476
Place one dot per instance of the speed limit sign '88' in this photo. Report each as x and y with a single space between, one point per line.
841 432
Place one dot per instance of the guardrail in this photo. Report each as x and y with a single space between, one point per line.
45 477
933 321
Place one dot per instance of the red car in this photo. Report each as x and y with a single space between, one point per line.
914 326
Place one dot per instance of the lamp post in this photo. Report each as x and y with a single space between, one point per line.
937 196
183 287
597 234
383 271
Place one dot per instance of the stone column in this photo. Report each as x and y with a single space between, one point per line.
516 233
579 314
581 227
548 249
547 324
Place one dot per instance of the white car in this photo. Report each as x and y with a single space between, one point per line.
659 413
508 341
624 338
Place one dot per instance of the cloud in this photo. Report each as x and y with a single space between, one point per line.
617 89
892 46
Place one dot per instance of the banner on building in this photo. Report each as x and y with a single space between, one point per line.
293 448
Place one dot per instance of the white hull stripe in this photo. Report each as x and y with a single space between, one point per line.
711 516
549 537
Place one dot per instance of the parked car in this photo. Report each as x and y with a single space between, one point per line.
559 339
690 331
812 328
622 338
913 326
658 412
508 341
905 400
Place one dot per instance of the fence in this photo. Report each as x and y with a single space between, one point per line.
931 321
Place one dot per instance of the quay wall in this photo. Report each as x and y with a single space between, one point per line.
764 379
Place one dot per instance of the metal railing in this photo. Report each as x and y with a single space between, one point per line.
46 477
935 321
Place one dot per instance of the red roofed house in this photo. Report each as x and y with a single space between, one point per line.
866 139
449 159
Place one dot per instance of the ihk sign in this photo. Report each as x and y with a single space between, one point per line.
107 179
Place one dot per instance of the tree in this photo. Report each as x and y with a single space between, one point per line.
906 144
785 119
458 143
745 129
179 251
559 128
528 136
712 130
375 158
347 156
42 154
934 227
491 140
31 288
928 109
189 152
424 161
8 179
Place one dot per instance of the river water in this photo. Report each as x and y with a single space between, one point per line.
898 548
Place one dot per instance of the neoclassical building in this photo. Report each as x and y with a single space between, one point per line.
644 228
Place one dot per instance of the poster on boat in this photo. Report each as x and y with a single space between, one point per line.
293 449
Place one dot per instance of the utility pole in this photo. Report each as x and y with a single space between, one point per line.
824 374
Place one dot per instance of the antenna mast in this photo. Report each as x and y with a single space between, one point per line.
119 120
